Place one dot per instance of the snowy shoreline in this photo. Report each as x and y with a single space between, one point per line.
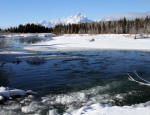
86 42
78 103
100 109
87 108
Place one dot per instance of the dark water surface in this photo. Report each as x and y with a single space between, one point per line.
63 72
99 75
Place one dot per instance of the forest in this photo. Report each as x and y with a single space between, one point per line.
122 26
29 28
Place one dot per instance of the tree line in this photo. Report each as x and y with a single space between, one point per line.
29 28
122 26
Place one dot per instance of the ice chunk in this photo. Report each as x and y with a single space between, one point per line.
7 112
32 107
19 92
6 92
53 112
31 92
1 98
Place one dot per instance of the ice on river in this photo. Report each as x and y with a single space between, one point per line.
6 92
85 102
29 35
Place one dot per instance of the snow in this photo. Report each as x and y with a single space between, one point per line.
1 98
73 101
32 107
87 106
7 112
78 42
13 52
78 18
81 97
53 112
6 92
89 100
99 109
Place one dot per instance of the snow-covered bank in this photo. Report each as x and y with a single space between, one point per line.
91 102
77 103
6 92
79 42
99 109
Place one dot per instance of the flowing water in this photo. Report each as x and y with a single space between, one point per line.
66 81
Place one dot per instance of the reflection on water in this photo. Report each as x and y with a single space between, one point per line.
36 61
5 75
3 43
29 40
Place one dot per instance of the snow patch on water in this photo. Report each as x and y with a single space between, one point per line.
13 52
29 35
73 101
6 92
76 97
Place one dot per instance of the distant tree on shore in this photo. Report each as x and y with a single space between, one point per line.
29 28
122 26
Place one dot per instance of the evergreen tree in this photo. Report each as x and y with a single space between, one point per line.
122 26
29 28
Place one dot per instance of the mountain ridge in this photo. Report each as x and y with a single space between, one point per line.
76 19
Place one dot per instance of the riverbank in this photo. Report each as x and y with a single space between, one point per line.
74 83
79 42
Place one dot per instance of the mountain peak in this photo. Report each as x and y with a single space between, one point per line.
78 18
79 15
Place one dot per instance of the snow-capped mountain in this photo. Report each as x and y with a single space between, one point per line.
79 18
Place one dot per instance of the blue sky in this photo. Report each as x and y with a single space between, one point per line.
14 12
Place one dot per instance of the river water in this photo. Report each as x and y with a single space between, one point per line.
67 80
